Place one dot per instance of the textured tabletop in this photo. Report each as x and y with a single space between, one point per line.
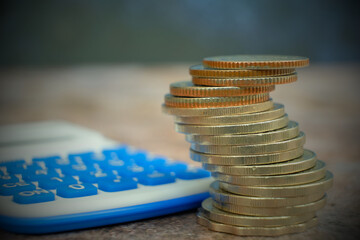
123 102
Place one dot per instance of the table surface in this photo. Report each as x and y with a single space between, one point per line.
123 102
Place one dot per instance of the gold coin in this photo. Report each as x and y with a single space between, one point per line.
309 175
276 112
246 159
188 89
257 107
281 191
244 82
201 71
188 102
273 211
251 149
290 131
302 163
233 129
220 195
214 214
255 62
255 231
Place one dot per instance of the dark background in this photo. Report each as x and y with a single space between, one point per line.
67 32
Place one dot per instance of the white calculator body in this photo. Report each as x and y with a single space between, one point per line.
57 176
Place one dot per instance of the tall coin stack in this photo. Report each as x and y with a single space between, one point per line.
266 183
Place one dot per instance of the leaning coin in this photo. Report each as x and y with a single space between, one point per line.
246 159
302 163
281 191
310 175
255 231
276 112
218 111
251 149
217 215
288 132
272 211
233 129
220 195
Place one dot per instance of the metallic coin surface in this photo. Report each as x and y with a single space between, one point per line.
286 145
220 216
255 231
288 132
281 191
255 62
302 163
218 111
201 71
233 129
246 159
188 89
307 176
276 112
220 195
272 211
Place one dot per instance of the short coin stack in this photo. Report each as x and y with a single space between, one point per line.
266 183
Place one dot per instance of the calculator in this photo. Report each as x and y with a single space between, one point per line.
57 176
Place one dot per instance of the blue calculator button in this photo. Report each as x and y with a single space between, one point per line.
8 189
9 178
75 170
117 153
171 167
33 196
14 167
135 170
192 173
36 175
117 184
140 158
158 161
82 157
115 164
55 182
76 190
156 178
95 176
57 162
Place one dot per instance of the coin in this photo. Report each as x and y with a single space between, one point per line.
255 62
281 191
272 211
201 71
220 195
233 129
246 159
188 102
220 216
276 112
188 89
288 132
255 231
310 175
302 163
244 82
251 149
218 111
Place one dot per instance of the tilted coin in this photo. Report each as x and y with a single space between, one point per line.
255 231
188 89
302 163
244 82
220 195
201 71
276 112
255 62
188 102
271 211
309 175
251 149
220 216
281 191
233 129
246 159
218 111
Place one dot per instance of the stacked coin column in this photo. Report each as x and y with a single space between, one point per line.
266 183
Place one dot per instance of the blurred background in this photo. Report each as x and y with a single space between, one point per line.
70 32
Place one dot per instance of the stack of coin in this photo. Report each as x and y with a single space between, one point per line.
265 184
